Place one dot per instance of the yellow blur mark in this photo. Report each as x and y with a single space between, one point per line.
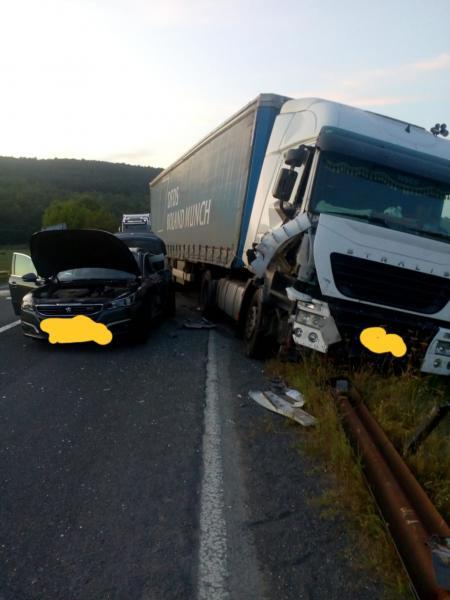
378 341
76 329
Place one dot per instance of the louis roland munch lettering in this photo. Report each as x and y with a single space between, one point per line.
194 215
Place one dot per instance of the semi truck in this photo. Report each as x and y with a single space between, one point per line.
308 221
135 222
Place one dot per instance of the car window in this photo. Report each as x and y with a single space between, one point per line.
22 264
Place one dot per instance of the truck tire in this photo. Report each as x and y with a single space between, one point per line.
255 340
207 299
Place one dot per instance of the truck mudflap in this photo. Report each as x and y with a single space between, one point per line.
312 323
437 356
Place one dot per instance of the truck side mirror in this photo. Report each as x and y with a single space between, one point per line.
284 184
295 157
29 277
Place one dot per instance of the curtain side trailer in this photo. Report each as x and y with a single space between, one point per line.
308 221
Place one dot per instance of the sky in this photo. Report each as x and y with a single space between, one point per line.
141 81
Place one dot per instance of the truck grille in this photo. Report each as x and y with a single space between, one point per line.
388 285
68 310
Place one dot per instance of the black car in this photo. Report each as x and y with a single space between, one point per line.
123 283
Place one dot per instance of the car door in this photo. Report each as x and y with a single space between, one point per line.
21 265
154 283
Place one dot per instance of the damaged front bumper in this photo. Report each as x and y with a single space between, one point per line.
316 326
313 324
437 356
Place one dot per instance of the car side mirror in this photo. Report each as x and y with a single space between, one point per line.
29 278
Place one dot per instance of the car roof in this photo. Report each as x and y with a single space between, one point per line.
146 241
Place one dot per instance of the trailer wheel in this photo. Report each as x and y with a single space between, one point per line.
255 341
207 300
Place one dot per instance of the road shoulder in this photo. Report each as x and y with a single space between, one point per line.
299 553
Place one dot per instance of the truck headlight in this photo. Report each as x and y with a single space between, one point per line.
443 348
308 318
27 302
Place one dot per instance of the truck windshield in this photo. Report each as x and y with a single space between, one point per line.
380 195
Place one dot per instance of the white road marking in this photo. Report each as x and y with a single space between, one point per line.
212 568
6 327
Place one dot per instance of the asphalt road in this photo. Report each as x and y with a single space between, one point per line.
145 472
6 312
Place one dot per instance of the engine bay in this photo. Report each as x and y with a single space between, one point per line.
58 292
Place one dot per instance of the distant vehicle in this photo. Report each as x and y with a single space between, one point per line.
307 221
138 222
145 240
92 273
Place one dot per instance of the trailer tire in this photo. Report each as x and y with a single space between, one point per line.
255 340
207 299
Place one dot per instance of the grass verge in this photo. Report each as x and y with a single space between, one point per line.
399 403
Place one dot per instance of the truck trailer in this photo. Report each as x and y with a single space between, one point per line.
308 221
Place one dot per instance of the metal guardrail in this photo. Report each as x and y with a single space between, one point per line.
411 517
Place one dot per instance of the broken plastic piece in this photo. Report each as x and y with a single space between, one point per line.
283 406
295 397
299 401
440 552
203 324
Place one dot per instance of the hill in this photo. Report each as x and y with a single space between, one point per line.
29 185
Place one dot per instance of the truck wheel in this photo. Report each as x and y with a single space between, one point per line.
255 342
207 300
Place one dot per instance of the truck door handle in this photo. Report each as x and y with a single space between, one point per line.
13 283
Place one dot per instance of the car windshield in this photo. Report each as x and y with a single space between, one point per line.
93 274
362 190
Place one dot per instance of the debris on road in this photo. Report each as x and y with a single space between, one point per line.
202 324
440 553
284 405
279 386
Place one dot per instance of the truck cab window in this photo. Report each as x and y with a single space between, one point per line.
378 194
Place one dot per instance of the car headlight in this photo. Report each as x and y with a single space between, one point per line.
121 302
443 348
28 302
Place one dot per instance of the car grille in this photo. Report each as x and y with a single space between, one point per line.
388 285
68 310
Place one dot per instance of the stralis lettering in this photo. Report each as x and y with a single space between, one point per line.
194 215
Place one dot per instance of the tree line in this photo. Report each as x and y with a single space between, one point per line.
81 193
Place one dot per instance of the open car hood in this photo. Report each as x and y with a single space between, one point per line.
53 251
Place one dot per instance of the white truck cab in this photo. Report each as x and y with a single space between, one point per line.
369 198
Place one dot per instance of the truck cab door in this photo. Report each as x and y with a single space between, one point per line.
21 265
